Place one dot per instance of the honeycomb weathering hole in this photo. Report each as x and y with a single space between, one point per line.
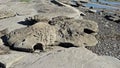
88 31
38 46
67 45
2 65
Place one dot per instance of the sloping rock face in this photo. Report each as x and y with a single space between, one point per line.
68 58
77 32
38 35
3 48
54 8
60 29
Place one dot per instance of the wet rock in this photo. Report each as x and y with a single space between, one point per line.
84 1
38 36
92 10
113 18
77 32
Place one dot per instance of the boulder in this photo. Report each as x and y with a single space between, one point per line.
92 10
34 37
59 30
114 18
77 32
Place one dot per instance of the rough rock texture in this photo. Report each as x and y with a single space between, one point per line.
3 48
114 18
77 32
6 12
40 34
3 32
68 58
59 30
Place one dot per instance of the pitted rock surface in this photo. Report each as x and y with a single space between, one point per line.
77 32
40 33
60 29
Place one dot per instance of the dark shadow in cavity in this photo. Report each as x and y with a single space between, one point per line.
28 22
88 31
22 49
56 3
38 46
4 39
2 65
67 45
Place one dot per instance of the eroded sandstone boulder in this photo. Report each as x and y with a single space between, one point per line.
37 36
77 32
61 29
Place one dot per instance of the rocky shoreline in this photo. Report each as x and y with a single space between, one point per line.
58 34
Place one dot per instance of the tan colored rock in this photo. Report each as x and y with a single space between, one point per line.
4 50
54 8
3 32
9 59
1 42
68 58
77 32
59 30
38 36
6 12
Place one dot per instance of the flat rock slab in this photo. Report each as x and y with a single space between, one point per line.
20 8
68 58
9 59
11 23
50 9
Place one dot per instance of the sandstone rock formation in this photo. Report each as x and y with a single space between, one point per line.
40 35
59 30
3 32
3 48
8 60
68 58
54 8
77 32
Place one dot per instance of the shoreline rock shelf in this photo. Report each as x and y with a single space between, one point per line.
56 34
